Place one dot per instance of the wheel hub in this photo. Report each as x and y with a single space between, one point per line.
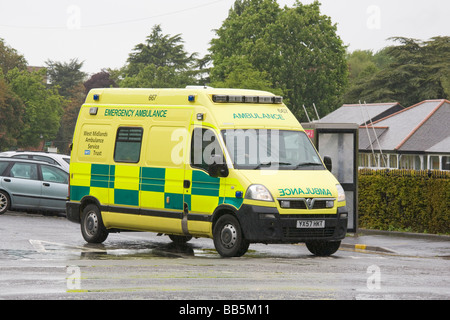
228 236
91 223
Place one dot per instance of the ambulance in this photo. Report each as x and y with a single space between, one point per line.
232 165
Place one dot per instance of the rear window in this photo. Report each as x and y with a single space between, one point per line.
128 144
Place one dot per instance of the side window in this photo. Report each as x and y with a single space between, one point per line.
205 148
128 144
24 171
51 174
3 166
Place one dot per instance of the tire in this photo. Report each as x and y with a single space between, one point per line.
179 239
323 248
92 227
5 202
228 238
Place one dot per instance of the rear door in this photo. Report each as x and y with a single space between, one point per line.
54 188
23 185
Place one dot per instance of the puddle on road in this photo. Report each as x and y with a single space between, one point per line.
44 250
138 249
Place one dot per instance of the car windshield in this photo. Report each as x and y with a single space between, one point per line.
271 149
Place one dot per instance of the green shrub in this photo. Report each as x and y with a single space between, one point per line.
408 200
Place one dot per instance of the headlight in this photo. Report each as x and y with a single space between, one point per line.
258 192
341 193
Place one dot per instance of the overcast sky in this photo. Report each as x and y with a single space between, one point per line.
103 32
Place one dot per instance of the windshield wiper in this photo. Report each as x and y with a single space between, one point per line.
305 164
270 163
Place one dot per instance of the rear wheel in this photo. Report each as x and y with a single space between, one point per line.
5 202
92 227
323 248
228 238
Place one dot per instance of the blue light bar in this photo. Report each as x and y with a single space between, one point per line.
223 98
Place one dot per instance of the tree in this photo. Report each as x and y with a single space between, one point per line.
296 49
65 75
159 62
43 106
10 59
69 118
99 80
11 113
415 71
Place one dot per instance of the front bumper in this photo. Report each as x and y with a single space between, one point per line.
266 225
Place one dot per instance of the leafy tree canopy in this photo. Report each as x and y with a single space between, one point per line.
65 75
295 50
160 62
410 72
43 106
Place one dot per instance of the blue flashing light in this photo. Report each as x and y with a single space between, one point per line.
239 194
191 98
96 97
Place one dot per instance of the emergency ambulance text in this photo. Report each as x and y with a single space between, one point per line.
161 113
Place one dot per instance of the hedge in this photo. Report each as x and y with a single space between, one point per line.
405 200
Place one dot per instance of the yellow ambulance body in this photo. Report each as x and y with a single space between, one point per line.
228 164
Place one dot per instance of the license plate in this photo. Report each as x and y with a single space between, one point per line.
310 224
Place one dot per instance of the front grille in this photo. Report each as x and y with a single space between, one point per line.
301 204
292 232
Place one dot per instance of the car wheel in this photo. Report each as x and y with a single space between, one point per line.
228 238
92 227
323 248
5 202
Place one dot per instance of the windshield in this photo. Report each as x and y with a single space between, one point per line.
271 149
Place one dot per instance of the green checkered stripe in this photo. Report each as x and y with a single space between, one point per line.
152 179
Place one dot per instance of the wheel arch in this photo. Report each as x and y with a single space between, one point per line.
222 210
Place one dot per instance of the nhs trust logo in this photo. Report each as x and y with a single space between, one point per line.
87 152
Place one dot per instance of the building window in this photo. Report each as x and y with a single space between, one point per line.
434 163
445 163
393 161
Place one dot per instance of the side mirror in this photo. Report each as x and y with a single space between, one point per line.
328 163
218 167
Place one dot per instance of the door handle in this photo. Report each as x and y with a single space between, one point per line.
46 184
186 183
7 180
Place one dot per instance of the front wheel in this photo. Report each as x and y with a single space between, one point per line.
228 238
323 248
92 227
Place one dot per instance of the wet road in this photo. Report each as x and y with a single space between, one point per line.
45 257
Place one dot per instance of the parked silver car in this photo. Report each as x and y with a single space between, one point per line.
61 160
32 185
